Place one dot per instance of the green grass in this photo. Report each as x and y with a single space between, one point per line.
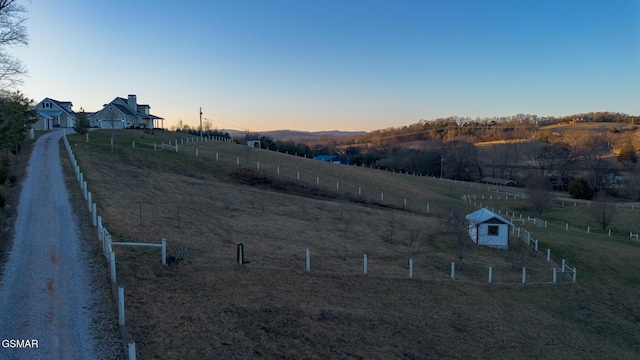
208 307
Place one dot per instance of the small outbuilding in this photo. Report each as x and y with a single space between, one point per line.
489 229
331 159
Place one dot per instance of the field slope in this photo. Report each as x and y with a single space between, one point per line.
278 205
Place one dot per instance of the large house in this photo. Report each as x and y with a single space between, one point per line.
53 113
124 113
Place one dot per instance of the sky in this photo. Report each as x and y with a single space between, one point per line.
348 65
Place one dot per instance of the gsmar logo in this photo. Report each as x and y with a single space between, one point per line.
19 343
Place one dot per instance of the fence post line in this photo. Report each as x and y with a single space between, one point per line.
237 160
278 170
100 235
121 306
588 229
89 200
548 255
217 156
555 271
84 189
359 191
133 144
364 264
563 264
155 147
490 274
427 207
337 185
94 220
410 268
240 254
524 274
317 180
405 202
164 251
536 243
453 271
566 226
196 152
112 266
308 259
574 274
381 196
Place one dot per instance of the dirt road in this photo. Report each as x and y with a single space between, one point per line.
45 294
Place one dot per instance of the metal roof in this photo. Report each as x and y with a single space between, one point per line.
483 215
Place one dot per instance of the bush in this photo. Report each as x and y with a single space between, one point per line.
580 189
13 179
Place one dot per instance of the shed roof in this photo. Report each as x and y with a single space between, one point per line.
498 181
483 215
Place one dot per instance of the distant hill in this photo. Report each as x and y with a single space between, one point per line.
297 134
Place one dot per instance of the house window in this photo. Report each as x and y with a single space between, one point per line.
493 230
46 105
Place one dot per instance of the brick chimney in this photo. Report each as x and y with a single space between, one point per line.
133 102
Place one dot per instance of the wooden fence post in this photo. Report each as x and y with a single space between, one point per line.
112 266
524 274
308 259
121 306
453 271
490 274
410 268
364 264
164 251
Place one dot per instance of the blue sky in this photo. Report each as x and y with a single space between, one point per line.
345 65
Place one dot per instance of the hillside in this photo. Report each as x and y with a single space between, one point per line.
278 205
302 136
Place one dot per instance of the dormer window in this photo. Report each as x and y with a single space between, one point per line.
46 105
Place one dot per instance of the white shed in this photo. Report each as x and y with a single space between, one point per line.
489 229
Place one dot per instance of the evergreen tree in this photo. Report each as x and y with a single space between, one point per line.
580 189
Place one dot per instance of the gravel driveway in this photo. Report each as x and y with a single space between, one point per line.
45 295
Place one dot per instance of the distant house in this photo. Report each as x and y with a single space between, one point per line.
489 229
332 159
124 113
497 181
52 113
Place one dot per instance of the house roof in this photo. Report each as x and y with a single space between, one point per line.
499 181
483 215
125 109
49 114
61 104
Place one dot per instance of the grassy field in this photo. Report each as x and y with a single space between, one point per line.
206 306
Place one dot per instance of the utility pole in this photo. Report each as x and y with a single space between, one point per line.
200 124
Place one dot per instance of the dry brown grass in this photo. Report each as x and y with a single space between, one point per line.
206 306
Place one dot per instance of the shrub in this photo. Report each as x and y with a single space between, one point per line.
580 189
13 179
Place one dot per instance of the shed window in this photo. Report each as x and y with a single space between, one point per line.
493 230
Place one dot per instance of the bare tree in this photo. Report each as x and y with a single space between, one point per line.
12 33
539 195
602 212
458 226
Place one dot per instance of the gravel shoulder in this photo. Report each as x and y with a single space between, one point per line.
49 292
